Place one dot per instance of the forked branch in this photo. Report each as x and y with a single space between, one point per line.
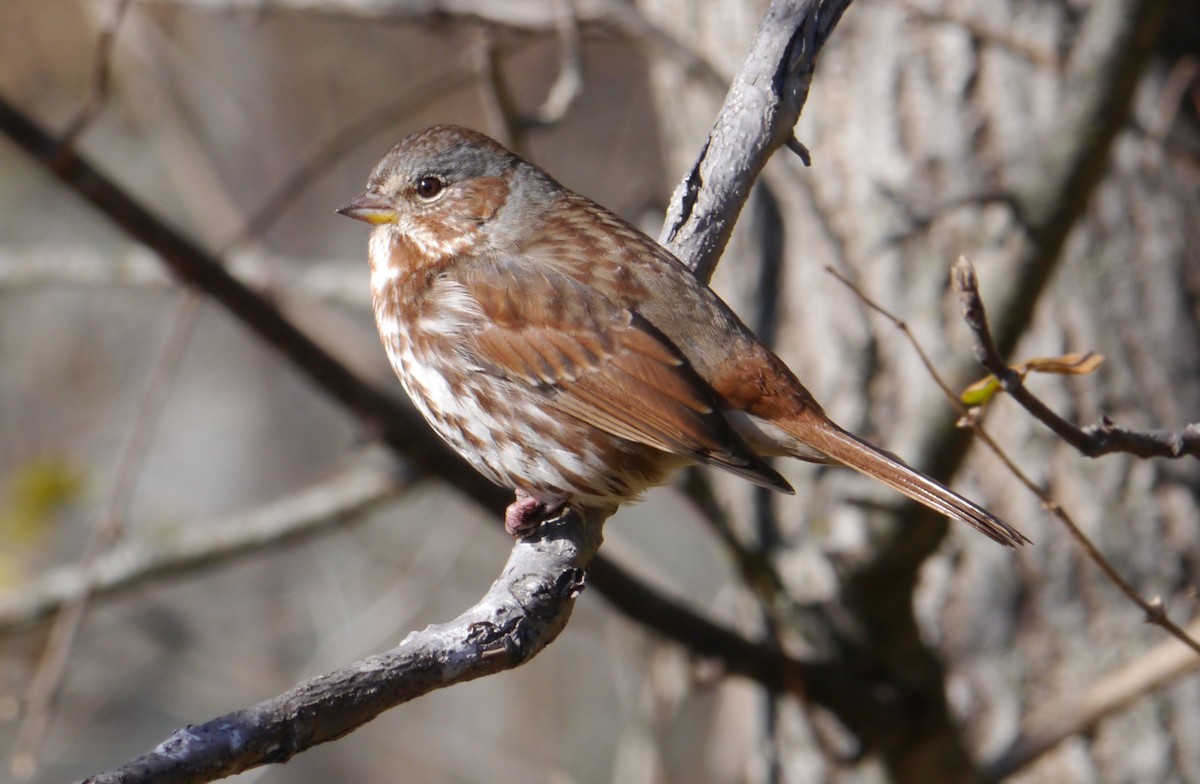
1093 441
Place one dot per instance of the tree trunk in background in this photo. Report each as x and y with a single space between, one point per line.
978 129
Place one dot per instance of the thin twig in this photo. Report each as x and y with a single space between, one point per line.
1104 438
996 35
1153 609
1181 78
101 72
630 22
499 106
901 325
568 85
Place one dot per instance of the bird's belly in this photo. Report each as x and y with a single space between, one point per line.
513 435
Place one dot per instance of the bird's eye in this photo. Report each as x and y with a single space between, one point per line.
430 186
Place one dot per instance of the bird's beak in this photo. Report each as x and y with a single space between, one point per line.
371 207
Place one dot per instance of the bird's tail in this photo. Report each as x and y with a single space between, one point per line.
817 432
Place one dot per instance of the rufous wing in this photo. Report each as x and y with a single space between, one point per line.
602 364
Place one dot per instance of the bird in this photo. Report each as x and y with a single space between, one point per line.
568 356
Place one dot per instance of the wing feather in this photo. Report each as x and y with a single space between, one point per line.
603 364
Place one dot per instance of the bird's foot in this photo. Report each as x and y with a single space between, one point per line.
526 513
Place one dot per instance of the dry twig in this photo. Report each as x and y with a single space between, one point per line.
568 85
1153 609
1094 441
1108 695
101 77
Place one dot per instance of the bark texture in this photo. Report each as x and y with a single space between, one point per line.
1029 137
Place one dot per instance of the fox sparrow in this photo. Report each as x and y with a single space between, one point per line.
564 353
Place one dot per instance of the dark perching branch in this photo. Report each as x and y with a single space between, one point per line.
523 612
1094 441
760 112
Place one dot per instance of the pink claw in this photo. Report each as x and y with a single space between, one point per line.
526 513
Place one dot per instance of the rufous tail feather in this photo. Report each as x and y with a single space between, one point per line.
850 450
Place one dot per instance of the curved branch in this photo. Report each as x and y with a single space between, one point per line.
1102 439
524 611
